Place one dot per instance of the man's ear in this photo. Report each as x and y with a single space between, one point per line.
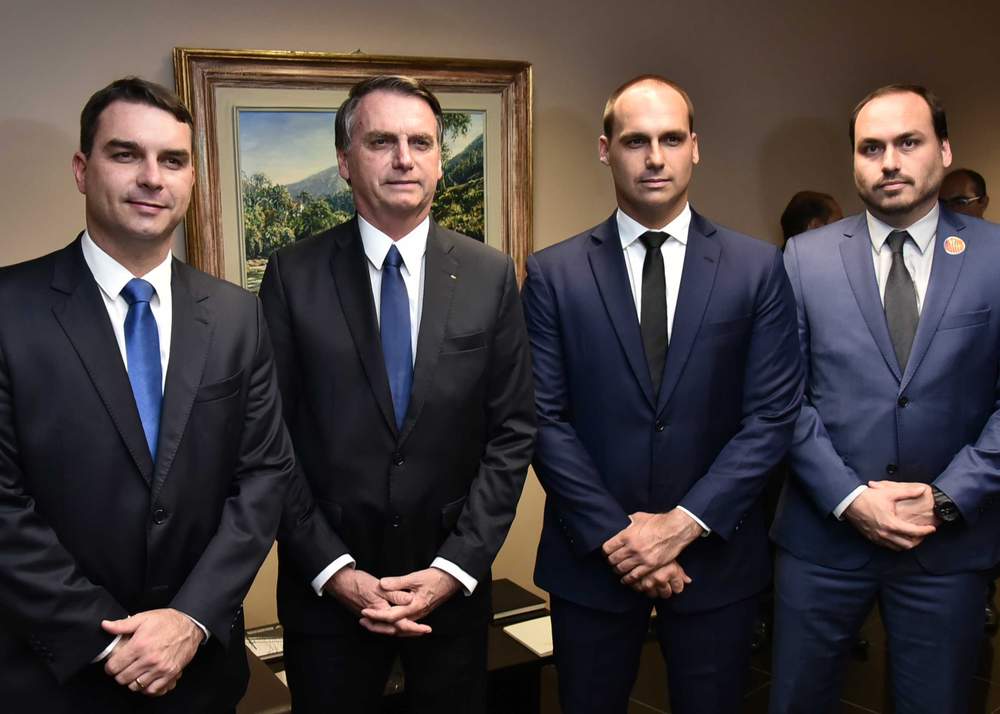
602 149
80 171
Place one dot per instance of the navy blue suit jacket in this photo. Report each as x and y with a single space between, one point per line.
609 446
865 419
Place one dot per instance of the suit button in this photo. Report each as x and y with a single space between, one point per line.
398 460
659 425
891 469
160 515
903 401
396 521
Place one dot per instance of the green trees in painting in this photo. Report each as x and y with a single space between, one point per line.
275 215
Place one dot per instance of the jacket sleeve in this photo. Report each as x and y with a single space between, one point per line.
214 589
44 597
586 511
772 396
493 495
304 533
814 461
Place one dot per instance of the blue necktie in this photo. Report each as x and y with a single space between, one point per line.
394 326
142 350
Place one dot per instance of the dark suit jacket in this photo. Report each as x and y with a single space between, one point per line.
447 484
608 447
865 419
90 527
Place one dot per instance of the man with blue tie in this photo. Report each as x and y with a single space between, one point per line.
406 383
895 473
142 453
667 386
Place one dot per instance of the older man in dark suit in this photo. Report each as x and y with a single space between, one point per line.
142 454
404 366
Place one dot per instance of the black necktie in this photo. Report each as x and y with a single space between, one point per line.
900 301
653 311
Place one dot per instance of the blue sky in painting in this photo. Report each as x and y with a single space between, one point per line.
289 145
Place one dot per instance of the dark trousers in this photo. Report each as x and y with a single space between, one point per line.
933 623
597 656
346 674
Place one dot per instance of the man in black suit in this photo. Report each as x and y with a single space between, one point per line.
405 373
142 455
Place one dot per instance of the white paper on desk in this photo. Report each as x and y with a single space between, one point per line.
535 634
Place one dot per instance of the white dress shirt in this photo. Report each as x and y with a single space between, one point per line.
412 248
673 250
918 257
111 277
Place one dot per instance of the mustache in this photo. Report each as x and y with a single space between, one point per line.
894 179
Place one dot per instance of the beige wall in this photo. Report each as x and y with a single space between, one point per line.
773 83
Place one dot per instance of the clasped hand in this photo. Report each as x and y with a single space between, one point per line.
154 649
645 553
894 515
393 605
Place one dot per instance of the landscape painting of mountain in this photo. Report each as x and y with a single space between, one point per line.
290 187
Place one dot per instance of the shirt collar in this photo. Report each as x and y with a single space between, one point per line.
922 232
112 276
630 229
411 246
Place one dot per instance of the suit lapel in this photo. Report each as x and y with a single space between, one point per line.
856 253
608 265
441 274
84 319
944 276
350 276
701 261
190 338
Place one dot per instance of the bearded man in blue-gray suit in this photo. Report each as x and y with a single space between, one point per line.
667 386
896 456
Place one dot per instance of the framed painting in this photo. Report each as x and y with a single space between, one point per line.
267 168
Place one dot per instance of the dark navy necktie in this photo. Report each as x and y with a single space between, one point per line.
394 326
653 310
900 299
142 350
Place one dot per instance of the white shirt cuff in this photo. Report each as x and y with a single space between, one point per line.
106 651
329 571
838 512
468 582
706 531
200 626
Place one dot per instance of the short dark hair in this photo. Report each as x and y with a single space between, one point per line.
399 84
978 182
609 106
128 89
804 207
938 117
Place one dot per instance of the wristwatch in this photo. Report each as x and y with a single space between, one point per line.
944 507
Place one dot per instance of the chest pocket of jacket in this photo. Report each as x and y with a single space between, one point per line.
965 319
726 328
463 343
219 390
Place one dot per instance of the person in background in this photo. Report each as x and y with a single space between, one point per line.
808 210
964 191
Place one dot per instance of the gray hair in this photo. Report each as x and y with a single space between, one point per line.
408 86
